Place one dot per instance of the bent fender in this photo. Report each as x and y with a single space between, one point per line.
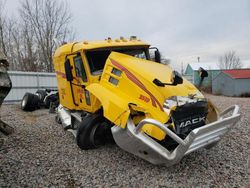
115 108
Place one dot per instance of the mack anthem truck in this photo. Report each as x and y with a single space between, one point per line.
112 90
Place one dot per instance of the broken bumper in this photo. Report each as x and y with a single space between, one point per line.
133 140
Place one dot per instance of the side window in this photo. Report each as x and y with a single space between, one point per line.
141 55
79 68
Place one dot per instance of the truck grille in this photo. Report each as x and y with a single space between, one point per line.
189 116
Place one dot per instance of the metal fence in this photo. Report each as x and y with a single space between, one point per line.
23 82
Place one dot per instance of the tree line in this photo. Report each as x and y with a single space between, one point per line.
230 61
30 40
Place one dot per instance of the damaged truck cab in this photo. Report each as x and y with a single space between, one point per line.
112 89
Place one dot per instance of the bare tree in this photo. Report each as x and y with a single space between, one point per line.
230 61
6 42
20 47
45 21
165 61
2 27
29 42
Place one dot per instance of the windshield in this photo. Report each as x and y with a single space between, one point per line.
97 58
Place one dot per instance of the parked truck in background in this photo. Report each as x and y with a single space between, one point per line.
112 89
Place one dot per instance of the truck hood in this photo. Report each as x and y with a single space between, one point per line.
147 71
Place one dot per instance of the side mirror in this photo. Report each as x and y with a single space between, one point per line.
177 79
68 72
157 56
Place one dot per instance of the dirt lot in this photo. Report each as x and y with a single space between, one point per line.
41 154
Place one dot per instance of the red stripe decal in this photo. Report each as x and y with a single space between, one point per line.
138 83
64 76
61 74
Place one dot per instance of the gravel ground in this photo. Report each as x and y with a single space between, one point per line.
41 154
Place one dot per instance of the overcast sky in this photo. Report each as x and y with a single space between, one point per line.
182 29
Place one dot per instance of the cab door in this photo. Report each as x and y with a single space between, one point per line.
80 82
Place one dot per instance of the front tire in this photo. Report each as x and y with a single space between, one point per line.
92 132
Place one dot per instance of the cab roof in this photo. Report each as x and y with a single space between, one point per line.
90 45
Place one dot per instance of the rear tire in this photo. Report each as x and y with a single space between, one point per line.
41 94
47 102
52 98
29 102
91 132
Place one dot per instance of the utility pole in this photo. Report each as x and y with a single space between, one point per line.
182 70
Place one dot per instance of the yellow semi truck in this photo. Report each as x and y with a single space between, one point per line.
113 90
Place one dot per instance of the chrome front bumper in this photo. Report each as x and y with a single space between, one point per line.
135 141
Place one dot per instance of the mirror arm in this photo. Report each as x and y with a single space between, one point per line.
161 84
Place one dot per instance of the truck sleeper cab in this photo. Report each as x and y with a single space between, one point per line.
112 90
